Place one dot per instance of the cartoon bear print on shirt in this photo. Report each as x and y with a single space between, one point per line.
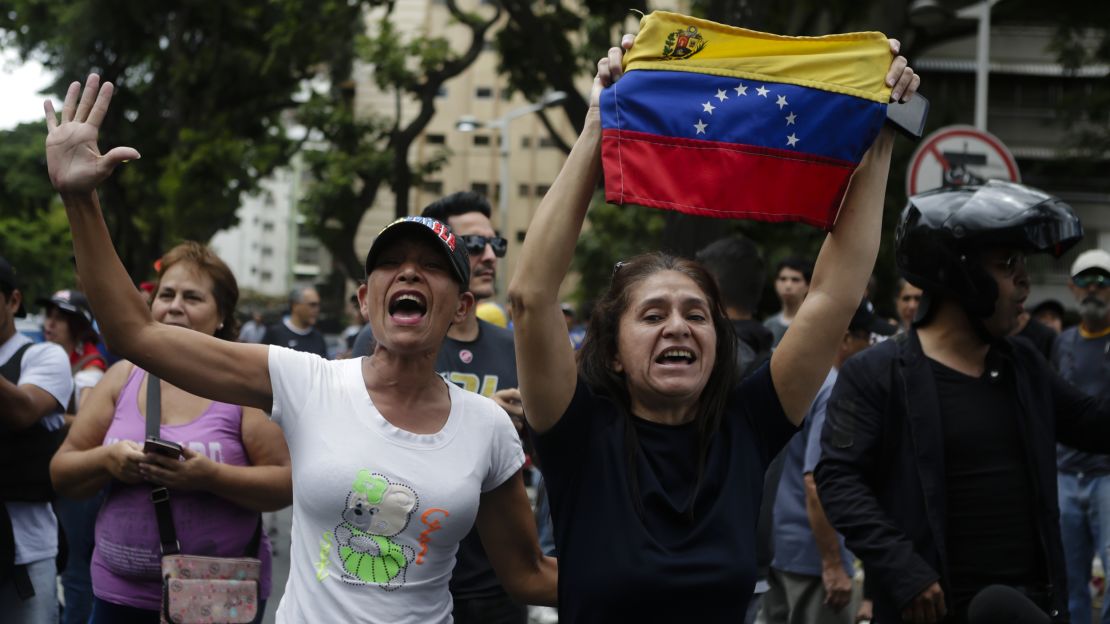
377 509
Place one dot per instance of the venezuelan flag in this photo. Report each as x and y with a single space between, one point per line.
726 122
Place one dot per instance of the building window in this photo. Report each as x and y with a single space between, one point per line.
542 189
483 93
266 276
435 139
481 139
308 252
435 187
546 141
267 226
524 190
480 188
441 92
526 142
267 251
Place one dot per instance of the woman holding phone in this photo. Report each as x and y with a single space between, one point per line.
222 463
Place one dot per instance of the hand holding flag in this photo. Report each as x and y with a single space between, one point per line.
727 122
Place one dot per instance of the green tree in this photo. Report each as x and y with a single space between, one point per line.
204 90
34 233
352 157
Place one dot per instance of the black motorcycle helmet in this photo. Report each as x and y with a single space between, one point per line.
940 229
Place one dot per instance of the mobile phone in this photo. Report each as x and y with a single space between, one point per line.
162 447
909 117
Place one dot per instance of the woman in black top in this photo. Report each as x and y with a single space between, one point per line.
653 452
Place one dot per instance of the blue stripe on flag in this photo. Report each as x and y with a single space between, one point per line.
747 112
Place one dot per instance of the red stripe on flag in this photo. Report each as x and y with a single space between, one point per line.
686 175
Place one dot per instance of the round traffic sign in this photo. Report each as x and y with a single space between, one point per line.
959 155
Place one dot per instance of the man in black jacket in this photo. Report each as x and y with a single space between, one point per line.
938 458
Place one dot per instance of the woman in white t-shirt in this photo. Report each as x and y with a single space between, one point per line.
391 464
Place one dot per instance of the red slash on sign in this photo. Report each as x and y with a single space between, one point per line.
957 156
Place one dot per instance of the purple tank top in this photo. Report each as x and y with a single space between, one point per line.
126 562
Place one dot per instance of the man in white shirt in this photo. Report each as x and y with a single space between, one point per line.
35 382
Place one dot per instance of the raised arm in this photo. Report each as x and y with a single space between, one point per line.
544 357
806 352
203 365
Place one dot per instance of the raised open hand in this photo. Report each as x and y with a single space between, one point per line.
72 156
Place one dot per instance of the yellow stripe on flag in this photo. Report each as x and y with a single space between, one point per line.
853 63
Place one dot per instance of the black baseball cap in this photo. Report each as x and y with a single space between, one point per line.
72 301
9 282
431 229
865 319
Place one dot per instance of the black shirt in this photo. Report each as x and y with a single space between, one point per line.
311 342
668 564
992 535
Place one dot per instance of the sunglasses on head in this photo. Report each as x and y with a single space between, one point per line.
476 244
1092 279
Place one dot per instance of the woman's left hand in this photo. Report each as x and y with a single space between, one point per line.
193 472
901 79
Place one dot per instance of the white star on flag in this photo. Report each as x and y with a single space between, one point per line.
741 89
791 140
708 107
782 102
721 95
761 91
701 126
790 119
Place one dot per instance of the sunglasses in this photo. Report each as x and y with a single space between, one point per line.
476 244
1095 279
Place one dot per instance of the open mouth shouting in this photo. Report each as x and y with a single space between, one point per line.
677 356
407 307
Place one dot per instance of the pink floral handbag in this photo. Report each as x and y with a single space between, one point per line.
209 590
198 589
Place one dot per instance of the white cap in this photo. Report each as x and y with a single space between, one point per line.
1093 259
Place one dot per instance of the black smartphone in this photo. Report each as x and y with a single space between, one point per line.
162 447
909 117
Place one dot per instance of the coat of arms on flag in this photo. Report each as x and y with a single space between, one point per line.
727 122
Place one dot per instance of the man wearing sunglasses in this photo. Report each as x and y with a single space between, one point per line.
480 357
1081 357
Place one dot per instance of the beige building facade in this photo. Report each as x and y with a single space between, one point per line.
474 164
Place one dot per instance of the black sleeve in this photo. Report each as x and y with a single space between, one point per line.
559 447
1082 421
765 414
850 451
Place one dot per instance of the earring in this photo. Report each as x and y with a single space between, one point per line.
219 327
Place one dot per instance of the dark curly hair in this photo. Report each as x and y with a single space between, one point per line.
599 351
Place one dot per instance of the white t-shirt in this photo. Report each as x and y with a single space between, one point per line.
378 512
85 379
46 366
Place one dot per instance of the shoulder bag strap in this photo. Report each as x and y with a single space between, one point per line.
10 370
159 494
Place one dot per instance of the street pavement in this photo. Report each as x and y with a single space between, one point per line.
282 521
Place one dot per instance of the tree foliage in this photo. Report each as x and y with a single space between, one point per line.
34 233
353 157
203 91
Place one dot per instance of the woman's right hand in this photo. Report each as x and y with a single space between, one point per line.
609 70
73 158
123 461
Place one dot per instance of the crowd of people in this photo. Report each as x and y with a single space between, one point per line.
690 461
